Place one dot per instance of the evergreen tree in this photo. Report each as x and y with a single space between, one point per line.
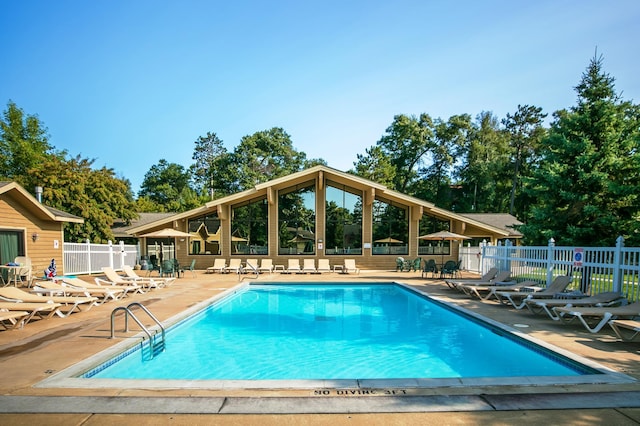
587 186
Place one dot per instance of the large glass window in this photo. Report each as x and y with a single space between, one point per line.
205 235
390 228
297 220
429 225
343 229
249 228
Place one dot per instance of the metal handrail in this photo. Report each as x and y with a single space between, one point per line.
127 313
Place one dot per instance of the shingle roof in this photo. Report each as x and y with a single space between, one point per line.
503 221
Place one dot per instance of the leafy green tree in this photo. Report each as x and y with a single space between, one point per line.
481 173
23 143
167 185
525 131
75 187
587 186
210 155
263 156
376 166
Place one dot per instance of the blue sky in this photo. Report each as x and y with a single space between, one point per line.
129 83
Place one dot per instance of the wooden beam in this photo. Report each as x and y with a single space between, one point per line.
270 196
320 180
222 214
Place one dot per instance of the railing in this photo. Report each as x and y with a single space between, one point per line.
156 345
594 269
87 258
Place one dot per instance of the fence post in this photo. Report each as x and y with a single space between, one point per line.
122 254
617 263
110 254
550 258
88 244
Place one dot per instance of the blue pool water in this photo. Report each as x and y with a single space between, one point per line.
336 332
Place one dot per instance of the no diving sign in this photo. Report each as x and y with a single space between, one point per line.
578 257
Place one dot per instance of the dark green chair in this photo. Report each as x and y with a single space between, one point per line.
430 267
416 264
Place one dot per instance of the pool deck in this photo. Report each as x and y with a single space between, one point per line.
46 347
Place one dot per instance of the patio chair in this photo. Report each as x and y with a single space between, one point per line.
309 266
598 316
416 264
266 265
626 330
323 266
350 266
219 265
11 320
192 268
235 265
608 298
430 267
117 279
25 268
251 265
41 310
501 278
95 290
449 268
133 275
486 292
131 287
67 304
487 277
518 298
293 266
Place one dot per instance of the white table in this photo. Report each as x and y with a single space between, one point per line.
12 274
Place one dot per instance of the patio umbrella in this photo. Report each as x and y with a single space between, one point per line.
388 240
168 233
443 236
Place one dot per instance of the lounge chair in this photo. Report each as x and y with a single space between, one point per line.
293 266
133 275
131 287
115 278
598 316
11 320
350 266
501 278
487 277
309 266
41 310
95 290
323 266
626 330
68 304
251 265
486 292
608 298
266 265
219 265
518 298
235 265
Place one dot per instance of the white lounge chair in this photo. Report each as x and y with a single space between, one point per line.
116 279
106 292
219 265
608 298
518 298
598 316
293 266
309 266
626 330
488 276
11 320
67 304
235 265
251 266
266 265
133 275
350 266
323 266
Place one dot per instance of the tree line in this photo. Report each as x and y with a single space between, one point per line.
576 179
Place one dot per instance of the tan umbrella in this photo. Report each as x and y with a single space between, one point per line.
388 240
167 233
443 236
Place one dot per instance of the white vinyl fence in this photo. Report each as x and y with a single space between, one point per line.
594 269
88 258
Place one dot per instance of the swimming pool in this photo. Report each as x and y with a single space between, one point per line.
339 333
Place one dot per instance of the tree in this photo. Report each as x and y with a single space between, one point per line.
73 186
23 143
263 156
209 155
375 166
525 131
587 185
167 185
482 173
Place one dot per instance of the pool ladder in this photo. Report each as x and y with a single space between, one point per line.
156 340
